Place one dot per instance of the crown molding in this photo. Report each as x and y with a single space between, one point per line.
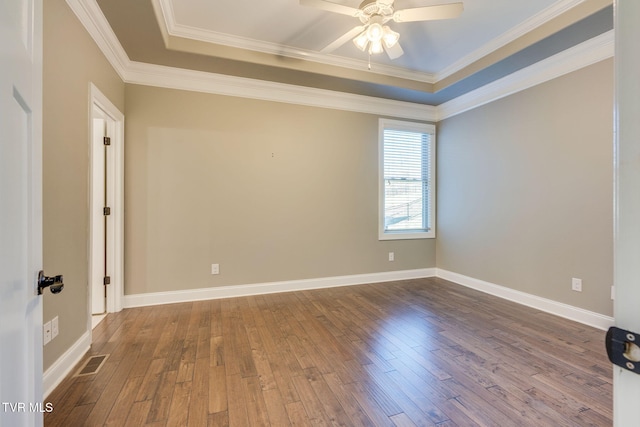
90 15
94 21
168 25
516 32
587 53
174 29
198 81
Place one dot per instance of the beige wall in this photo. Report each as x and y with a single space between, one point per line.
276 192
525 190
71 61
270 191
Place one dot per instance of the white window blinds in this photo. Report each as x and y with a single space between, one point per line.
407 179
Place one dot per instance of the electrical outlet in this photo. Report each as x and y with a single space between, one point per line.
54 327
613 292
47 332
576 284
215 268
392 256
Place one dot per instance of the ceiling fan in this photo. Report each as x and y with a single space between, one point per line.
374 14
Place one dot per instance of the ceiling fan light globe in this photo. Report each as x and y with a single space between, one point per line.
361 41
389 37
376 47
375 32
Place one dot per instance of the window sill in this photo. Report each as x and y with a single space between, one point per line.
402 235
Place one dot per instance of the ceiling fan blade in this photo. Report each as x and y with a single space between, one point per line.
343 39
394 51
429 13
331 7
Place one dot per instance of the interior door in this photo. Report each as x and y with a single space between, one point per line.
20 212
626 389
103 208
99 221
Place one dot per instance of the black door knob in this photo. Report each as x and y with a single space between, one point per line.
55 283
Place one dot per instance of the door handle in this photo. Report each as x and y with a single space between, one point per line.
622 348
54 283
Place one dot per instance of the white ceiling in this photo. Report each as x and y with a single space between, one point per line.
436 48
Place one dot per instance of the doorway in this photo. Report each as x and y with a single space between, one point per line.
106 129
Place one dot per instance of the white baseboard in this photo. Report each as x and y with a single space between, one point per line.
577 314
140 300
570 312
65 363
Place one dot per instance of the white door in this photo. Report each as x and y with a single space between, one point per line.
627 235
99 224
106 238
20 212
103 173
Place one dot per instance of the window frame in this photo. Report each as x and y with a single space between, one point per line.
430 210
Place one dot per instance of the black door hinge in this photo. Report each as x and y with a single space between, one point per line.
106 211
106 280
106 140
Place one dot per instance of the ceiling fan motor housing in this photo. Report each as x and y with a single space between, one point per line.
369 8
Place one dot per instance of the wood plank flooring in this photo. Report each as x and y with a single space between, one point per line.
410 353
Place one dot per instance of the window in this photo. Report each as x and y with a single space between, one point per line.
407 180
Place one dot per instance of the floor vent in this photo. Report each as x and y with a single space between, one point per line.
92 365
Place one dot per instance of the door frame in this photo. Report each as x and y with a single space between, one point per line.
115 291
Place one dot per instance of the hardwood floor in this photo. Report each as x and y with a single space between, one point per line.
420 352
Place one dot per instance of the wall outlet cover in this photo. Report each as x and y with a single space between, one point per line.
576 284
54 327
47 332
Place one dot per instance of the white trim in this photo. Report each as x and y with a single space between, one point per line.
423 128
164 15
160 17
579 56
65 363
199 81
577 314
115 291
171 28
155 298
94 21
587 53
514 33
